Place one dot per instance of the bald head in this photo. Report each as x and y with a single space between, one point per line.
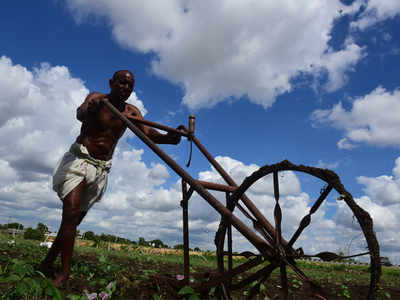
123 73
122 84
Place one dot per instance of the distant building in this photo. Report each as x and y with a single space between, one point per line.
385 261
14 231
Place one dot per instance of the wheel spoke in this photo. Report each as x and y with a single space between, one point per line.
317 290
225 292
321 198
277 211
264 272
284 293
298 271
255 289
257 226
307 219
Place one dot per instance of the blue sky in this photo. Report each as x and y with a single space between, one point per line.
314 82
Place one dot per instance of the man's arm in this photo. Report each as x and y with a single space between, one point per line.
90 105
153 134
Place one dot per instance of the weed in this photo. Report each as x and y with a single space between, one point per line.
296 283
382 294
189 293
22 279
345 291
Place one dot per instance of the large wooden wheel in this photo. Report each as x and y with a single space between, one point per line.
280 252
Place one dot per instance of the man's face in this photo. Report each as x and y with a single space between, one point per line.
122 85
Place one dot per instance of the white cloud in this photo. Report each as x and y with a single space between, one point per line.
34 127
386 224
344 143
338 63
372 119
7 173
217 50
323 165
376 11
385 190
382 202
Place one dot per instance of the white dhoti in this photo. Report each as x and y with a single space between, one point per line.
77 165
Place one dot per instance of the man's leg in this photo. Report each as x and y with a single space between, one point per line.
64 243
46 267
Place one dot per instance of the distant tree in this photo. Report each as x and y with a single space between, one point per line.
158 244
123 241
33 234
96 241
179 247
42 228
15 225
143 242
197 249
89 235
104 237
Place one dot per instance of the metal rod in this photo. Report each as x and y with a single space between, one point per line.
158 126
230 260
229 275
216 186
284 293
307 219
253 209
221 209
277 211
185 215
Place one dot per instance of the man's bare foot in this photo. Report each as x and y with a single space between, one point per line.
47 270
59 280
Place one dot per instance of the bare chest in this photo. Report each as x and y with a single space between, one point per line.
106 122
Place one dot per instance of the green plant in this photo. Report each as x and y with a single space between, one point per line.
296 283
188 293
33 234
146 274
345 291
106 292
22 279
382 294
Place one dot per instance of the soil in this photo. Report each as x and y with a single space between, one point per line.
145 279
163 282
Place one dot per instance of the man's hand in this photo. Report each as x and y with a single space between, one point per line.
91 105
175 138
94 103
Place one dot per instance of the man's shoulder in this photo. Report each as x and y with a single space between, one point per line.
96 95
131 108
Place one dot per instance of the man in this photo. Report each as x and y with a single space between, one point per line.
80 179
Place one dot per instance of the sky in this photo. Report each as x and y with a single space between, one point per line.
312 81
